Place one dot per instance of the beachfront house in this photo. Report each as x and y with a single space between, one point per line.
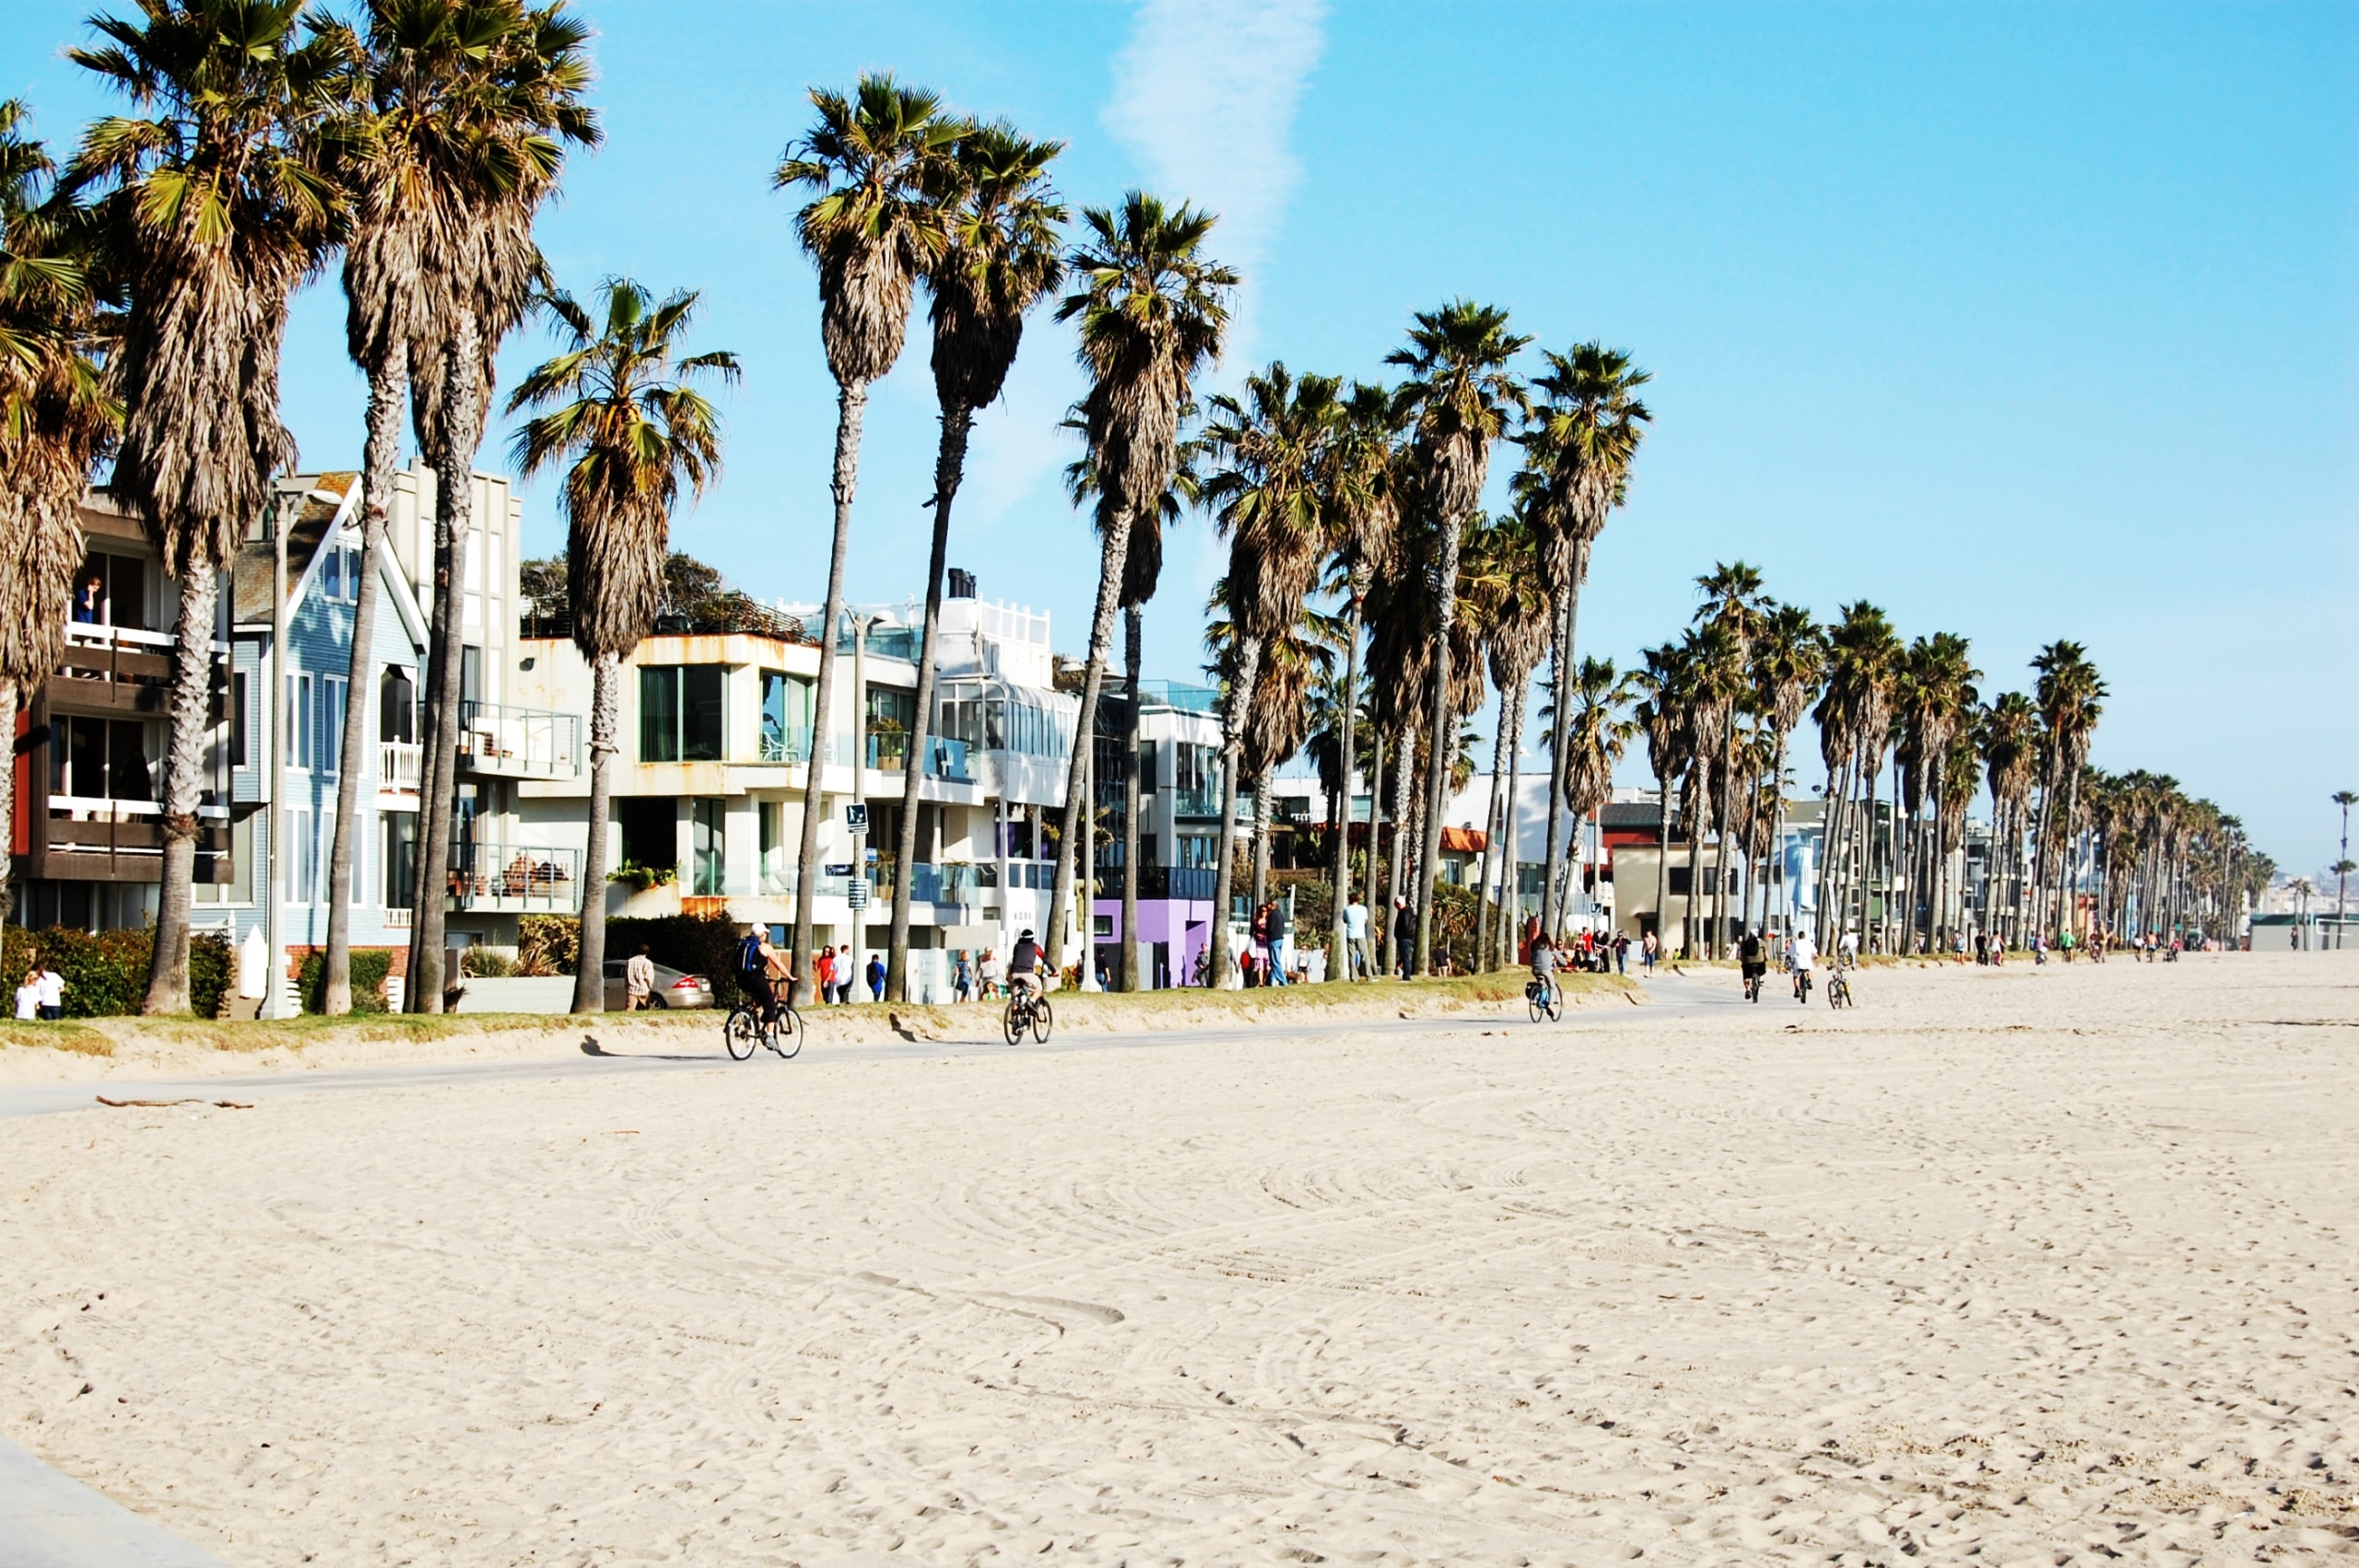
1179 760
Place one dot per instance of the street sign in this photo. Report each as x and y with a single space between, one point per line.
856 816
856 893
839 869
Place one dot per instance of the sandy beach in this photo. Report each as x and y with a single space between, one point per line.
2027 1266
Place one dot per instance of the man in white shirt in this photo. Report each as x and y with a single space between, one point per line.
52 992
1363 961
1801 957
1848 948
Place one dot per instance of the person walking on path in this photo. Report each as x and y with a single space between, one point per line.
1622 953
639 980
1405 935
876 977
1362 964
962 979
1649 949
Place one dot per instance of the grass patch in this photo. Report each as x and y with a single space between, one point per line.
79 1038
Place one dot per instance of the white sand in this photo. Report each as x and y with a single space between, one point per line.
2031 1267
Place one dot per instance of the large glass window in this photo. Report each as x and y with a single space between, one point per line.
680 711
400 859
100 759
396 704
302 854
331 705
650 825
298 721
111 591
707 848
786 716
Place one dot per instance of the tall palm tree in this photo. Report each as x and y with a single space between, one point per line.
1152 311
1578 457
1854 716
1596 735
1001 259
620 410
464 105
1465 399
1513 607
2009 737
56 418
1661 718
1789 660
2068 692
1935 698
878 162
1362 481
1715 683
1734 601
484 278
216 204
2346 799
1264 448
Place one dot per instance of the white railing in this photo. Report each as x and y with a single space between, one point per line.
494 738
99 808
88 635
398 766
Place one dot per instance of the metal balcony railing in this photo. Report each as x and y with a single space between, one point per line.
522 742
514 876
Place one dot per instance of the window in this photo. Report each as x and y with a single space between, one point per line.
298 721
1197 850
332 702
680 713
340 576
240 888
302 855
891 710
399 860
119 598
707 848
238 719
649 831
786 716
100 759
772 815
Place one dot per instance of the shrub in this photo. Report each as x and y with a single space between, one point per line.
369 967
106 972
484 963
548 944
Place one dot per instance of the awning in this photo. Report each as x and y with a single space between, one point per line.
1465 840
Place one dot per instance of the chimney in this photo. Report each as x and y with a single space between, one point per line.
962 583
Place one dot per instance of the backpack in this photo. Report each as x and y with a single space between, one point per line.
749 953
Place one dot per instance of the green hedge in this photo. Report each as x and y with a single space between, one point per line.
369 967
693 944
106 972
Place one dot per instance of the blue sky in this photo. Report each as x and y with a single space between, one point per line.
2022 322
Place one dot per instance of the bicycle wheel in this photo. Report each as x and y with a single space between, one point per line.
1043 1021
741 1034
1013 1021
1532 1001
1553 1005
786 1034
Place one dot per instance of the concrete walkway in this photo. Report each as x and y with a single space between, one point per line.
48 1520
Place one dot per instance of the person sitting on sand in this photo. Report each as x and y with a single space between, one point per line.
28 997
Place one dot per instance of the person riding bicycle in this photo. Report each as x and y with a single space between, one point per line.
1801 957
1023 965
1544 964
1753 960
759 968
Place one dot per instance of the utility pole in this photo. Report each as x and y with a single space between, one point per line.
274 905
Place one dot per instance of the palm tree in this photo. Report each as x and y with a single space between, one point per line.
485 279
1596 735
1714 684
1657 681
1465 399
466 102
2346 799
1265 448
1002 259
1789 661
215 206
1933 697
2068 692
56 419
1362 480
620 411
879 162
1153 313
1578 457
1734 601
1511 605
1854 717
2009 737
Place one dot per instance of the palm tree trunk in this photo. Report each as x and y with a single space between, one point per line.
388 389
1339 961
460 430
1483 898
1404 767
1721 851
605 716
949 467
1662 866
1510 869
1560 730
1437 777
191 702
8 705
1074 835
1134 656
852 406
1232 748
1261 840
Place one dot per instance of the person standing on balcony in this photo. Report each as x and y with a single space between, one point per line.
639 980
88 600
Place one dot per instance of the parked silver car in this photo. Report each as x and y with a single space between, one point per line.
672 989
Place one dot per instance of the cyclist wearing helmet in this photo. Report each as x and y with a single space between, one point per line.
1023 963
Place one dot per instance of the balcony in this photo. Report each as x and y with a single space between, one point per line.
113 668
88 838
519 742
398 766
1190 883
514 879
947 760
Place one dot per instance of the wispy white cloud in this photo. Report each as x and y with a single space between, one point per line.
1204 98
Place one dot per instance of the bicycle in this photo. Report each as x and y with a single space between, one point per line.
1802 985
1542 998
745 1029
1838 991
1027 1009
